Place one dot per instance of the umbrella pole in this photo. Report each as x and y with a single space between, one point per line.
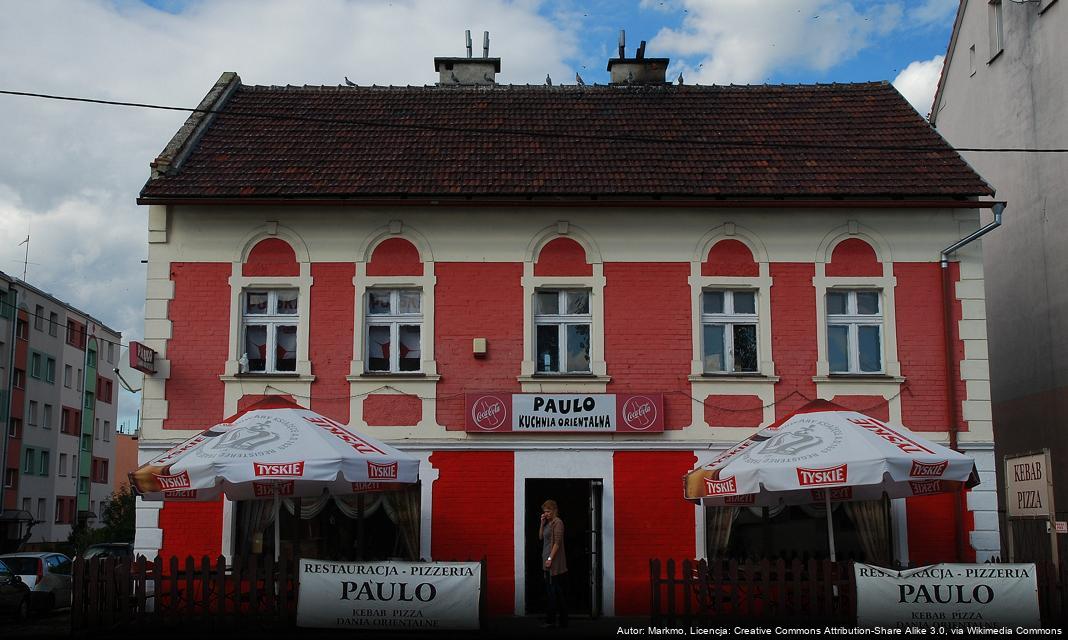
830 521
277 526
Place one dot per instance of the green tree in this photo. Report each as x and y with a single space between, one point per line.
117 522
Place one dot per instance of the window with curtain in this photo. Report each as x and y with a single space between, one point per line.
394 321
269 325
562 324
358 527
854 331
729 325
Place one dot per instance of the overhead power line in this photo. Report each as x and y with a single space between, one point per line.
390 124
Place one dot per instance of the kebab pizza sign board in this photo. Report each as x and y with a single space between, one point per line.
492 412
389 596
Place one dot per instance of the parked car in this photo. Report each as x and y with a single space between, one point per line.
117 550
14 594
48 575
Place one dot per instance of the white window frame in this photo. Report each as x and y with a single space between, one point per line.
46 416
68 375
562 320
996 15
272 321
31 413
854 320
727 319
62 465
394 320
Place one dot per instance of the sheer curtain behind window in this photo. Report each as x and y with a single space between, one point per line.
872 519
718 530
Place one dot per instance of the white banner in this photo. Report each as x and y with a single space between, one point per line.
562 412
948 595
424 596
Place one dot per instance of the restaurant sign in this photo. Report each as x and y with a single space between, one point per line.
423 596
1028 485
948 595
492 412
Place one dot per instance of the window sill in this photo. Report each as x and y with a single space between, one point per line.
996 56
266 377
859 378
398 377
734 377
565 377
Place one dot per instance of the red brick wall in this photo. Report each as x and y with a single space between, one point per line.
793 318
652 521
562 257
197 350
473 517
874 406
921 345
271 257
476 300
730 258
191 528
734 411
647 330
854 257
395 257
330 346
382 410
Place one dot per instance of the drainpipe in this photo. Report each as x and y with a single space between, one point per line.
14 299
953 407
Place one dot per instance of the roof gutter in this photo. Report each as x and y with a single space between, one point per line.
535 201
952 403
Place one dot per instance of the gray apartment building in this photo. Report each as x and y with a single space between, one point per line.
59 401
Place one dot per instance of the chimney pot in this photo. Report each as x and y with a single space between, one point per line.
639 69
454 72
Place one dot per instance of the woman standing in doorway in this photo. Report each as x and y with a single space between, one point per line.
554 563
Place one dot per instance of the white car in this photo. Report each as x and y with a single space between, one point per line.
48 575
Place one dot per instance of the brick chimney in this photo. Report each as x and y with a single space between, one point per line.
639 69
468 71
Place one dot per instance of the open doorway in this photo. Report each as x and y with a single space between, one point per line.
579 501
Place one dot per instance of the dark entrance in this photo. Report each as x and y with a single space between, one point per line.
580 509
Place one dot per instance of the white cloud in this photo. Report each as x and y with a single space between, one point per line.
743 41
931 12
918 82
70 172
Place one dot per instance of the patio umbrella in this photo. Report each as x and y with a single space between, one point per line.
273 449
823 453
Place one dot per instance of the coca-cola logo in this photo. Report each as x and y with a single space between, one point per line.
267 489
488 413
925 487
639 413
287 469
376 471
180 481
830 475
724 487
928 469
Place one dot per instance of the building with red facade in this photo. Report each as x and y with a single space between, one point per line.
670 266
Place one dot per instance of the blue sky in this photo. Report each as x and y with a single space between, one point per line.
71 172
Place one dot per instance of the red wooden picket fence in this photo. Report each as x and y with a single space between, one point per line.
802 592
255 593
700 591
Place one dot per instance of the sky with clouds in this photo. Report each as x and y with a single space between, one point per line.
69 173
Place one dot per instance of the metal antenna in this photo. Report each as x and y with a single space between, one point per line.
622 43
25 260
641 50
485 44
467 33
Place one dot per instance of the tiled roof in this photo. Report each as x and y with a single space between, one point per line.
852 140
